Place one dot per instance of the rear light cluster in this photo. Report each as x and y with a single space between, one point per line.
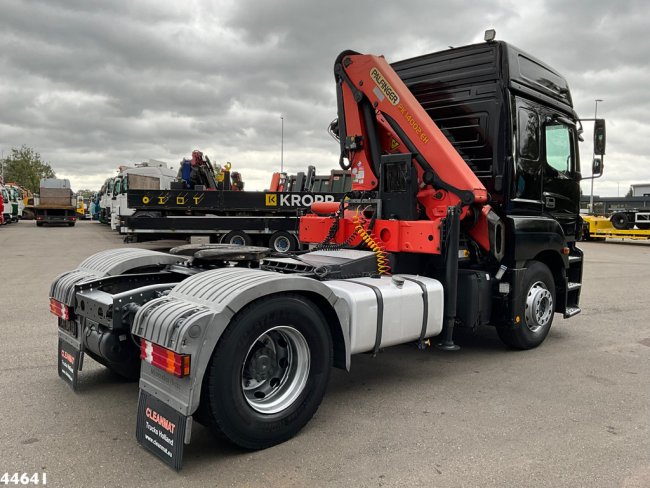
59 309
165 359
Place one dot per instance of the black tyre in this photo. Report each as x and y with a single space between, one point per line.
268 373
620 221
39 224
536 309
237 237
71 224
146 214
282 241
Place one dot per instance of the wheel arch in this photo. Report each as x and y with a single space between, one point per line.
341 348
555 262
210 301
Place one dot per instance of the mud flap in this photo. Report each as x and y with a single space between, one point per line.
161 430
70 360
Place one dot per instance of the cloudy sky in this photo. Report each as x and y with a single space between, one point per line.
95 84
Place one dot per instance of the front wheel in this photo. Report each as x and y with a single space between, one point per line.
535 309
268 373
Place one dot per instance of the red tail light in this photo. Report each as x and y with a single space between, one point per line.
165 359
59 309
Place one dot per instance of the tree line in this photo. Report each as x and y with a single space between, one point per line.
25 167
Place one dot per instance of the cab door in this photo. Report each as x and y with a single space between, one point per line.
561 172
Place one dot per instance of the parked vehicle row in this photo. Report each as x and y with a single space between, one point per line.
12 202
110 201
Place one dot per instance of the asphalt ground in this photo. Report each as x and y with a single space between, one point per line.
574 412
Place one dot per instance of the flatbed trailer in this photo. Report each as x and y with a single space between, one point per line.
600 228
232 217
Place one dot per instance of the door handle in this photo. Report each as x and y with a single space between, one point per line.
549 202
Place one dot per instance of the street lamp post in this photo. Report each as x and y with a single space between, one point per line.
591 197
282 145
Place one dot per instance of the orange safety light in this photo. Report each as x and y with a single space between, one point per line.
165 359
59 309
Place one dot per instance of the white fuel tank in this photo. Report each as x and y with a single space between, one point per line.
390 310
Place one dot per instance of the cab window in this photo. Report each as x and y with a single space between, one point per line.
558 147
528 128
118 184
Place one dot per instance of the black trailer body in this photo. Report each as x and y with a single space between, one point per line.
231 217
180 202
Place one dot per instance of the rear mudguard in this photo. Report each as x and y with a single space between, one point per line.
191 319
107 263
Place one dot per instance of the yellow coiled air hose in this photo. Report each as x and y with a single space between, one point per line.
383 265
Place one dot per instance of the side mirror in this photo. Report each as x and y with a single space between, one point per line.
597 167
599 137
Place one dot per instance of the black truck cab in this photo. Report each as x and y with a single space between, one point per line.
511 118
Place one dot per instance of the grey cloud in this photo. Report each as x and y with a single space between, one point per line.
92 85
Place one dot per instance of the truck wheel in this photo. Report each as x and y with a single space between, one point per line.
71 224
237 237
620 221
268 374
282 241
536 309
39 224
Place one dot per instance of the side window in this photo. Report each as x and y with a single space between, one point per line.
117 188
125 185
558 147
528 130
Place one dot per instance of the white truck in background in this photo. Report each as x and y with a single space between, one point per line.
19 199
7 209
105 199
149 175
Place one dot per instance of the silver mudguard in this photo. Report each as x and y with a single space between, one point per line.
106 263
191 319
